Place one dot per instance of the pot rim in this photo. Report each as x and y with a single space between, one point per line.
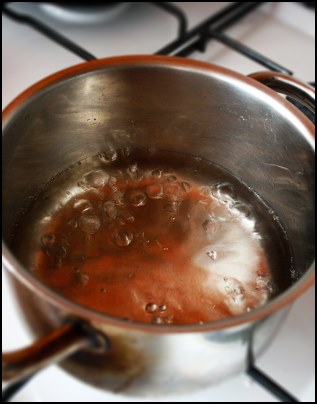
35 285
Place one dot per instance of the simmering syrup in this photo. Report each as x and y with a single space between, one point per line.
154 236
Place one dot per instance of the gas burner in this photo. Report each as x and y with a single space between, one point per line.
83 13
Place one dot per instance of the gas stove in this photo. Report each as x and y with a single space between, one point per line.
42 38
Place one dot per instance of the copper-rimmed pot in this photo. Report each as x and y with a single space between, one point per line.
179 105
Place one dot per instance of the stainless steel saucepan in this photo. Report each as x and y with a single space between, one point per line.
180 105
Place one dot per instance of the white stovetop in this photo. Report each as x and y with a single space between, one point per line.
284 32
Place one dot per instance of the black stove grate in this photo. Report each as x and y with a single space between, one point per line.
48 32
186 43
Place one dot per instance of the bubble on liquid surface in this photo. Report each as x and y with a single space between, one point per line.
172 207
136 198
162 308
118 197
186 186
173 191
157 320
112 180
263 283
171 177
125 217
169 319
242 209
128 216
53 247
110 209
151 308
211 226
89 223
82 205
157 173
48 240
224 192
212 255
235 290
140 236
72 223
96 179
108 156
134 172
81 278
59 250
125 152
206 191
155 191
122 238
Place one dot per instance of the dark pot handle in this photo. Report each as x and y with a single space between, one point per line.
288 85
55 347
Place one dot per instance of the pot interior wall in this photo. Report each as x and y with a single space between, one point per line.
213 116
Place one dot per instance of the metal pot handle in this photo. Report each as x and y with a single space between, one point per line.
288 85
56 346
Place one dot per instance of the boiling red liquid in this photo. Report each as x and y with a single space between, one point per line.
153 249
